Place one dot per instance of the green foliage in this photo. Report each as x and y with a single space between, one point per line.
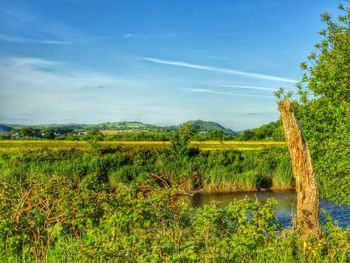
216 135
127 174
208 126
270 131
115 131
94 134
114 204
47 219
324 106
283 173
138 136
181 139
71 220
30 132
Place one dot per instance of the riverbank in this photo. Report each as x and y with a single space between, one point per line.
227 189
285 207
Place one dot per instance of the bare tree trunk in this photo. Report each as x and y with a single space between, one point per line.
304 178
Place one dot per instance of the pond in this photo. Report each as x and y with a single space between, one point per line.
285 207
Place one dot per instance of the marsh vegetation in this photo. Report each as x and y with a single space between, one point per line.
121 204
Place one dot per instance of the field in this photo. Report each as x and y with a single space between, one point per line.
72 201
236 145
8 145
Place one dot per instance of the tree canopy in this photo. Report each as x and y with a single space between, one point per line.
324 106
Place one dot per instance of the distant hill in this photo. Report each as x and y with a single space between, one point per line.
124 125
205 126
198 125
5 128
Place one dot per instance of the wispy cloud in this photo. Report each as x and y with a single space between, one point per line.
46 91
137 36
146 36
6 38
217 57
20 62
218 69
211 91
128 35
195 90
249 87
260 113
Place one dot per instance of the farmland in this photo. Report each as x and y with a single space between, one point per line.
13 145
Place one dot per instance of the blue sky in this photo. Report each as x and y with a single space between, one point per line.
160 62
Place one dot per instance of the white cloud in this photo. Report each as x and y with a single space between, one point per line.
211 91
218 69
137 36
249 87
196 90
6 38
128 35
34 90
218 57
47 91
32 62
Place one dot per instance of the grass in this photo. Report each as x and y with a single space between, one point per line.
283 174
136 162
67 201
222 179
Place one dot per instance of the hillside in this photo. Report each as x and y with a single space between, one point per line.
125 125
5 128
198 125
205 126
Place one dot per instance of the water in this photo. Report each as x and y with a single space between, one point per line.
285 208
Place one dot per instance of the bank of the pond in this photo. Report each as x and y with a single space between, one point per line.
285 207
228 189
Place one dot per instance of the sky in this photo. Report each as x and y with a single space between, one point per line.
161 62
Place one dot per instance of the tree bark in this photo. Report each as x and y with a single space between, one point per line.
303 174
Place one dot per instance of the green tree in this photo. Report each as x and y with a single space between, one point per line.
216 134
324 106
30 132
94 134
248 135
48 134
181 139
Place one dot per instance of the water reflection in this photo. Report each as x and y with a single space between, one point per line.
285 207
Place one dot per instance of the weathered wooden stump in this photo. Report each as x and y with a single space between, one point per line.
304 178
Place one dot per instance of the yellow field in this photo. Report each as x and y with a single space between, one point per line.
235 145
111 132
8 145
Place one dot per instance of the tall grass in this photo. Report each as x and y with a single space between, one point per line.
209 171
283 174
222 179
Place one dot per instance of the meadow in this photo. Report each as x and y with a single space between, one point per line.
128 201
67 201
215 166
